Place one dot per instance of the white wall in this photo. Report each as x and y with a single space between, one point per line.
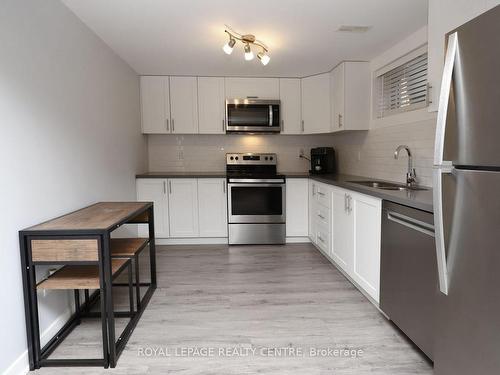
70 136
444 16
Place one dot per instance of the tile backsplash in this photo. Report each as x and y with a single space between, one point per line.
365 153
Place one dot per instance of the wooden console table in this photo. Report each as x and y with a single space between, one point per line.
81 242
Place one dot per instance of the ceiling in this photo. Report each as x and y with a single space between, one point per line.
185 37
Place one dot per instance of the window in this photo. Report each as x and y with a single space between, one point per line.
403 88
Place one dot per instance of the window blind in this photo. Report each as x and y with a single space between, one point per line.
404 88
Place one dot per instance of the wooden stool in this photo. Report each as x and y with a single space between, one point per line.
130 248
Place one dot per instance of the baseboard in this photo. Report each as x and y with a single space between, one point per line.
21 364
192 241
214 240
298 240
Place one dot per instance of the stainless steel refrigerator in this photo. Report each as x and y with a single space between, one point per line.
467 201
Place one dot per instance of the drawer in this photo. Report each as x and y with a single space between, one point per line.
323 236
321 214
323 195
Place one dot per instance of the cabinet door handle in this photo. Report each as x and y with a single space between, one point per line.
345 202
282 125
167 125
223 125
170 187
340 120
224 187
320 193
302 126
321 239
314 192
173 126
349 203
164 187
321 216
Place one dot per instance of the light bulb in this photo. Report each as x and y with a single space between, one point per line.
228 47
264 59
248 53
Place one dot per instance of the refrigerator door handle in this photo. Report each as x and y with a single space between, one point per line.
444 97
439 228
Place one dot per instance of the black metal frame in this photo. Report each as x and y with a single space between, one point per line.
112 348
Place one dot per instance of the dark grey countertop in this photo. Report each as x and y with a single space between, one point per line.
182 175
421 200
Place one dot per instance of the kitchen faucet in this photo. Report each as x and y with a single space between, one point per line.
411 176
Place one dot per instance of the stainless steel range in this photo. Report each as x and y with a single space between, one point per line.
256 199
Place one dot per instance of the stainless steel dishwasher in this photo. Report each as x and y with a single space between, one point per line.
408 274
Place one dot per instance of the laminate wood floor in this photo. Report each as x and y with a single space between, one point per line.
252 310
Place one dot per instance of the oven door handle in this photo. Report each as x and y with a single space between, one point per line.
252 181
230 185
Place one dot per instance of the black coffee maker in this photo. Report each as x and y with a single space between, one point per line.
322 160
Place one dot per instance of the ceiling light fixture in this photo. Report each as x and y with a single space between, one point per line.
248 40
228 47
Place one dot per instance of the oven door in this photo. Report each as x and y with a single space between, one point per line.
252 116
256 203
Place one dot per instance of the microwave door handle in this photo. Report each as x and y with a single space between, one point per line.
444 98
270 115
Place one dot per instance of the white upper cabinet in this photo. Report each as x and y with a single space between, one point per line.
212 207
184 105
211 105
154 190
262 88
297 208
183 207
316 103
155 105
350 84
290 106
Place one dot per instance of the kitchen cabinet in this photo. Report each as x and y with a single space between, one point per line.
346 226
184 105
367 216
183 207
343 230
155 105
350 85
297 208
262 88
212 207
154 190
320 215
211 105
290 98
316 103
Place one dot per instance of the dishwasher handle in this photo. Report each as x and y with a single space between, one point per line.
411 223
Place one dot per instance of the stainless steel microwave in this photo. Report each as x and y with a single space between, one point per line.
252 116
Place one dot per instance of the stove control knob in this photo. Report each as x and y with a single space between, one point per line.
236 158
271 158
232 158
265 158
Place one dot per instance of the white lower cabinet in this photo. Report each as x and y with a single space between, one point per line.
342 230
183 207
367 229
186 207
154 190
212 207
297 209
346 226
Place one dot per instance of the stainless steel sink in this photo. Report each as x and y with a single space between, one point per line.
387 185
